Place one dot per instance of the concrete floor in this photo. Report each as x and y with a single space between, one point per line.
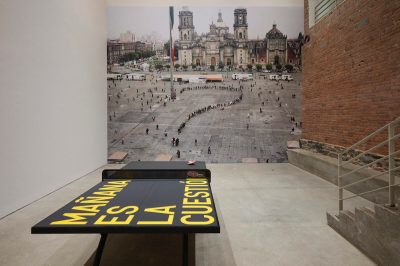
270 214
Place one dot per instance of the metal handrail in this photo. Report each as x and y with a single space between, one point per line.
368 178
365 139
373 148
373 134
369 191
366 165
390 141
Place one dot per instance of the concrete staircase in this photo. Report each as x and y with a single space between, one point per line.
375 232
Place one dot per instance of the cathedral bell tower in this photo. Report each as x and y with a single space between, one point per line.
240 24
186 32
186 27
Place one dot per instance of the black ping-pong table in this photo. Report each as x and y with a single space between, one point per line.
142 197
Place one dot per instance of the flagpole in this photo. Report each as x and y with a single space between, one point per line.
171 55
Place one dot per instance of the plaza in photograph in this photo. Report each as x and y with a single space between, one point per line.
257 127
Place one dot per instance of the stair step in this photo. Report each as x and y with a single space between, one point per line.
368 211
374 231
347 215
384 213
364 217
333 220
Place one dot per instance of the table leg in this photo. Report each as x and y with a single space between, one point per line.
99 250
185 257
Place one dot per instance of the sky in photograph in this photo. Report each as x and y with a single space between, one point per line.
143 20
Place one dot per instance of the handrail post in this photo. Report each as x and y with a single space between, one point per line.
391 150
339 182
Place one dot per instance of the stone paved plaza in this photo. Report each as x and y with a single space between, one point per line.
224 131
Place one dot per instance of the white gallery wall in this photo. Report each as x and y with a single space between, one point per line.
53 121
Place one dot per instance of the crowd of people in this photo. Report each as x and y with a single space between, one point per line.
207 87
210 107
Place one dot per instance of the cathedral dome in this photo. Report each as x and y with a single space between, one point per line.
220 23
274 33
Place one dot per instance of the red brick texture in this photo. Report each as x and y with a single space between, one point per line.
351 71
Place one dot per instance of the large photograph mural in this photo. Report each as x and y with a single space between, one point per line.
228 89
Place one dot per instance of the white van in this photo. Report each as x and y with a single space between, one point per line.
287 77
114 76
240 76
135 76
274 77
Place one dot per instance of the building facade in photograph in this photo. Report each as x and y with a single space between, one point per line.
231 49
127 37
116 49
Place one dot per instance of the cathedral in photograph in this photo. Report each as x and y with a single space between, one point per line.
231 49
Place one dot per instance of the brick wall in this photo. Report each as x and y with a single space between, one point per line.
351 72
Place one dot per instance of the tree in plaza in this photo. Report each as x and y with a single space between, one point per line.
136 55
166 47
177 66
221 65
258 67
149 53
279 67
193 66
268 66
185 67
289 67
128 57
249 67
167 66
159 67
212 67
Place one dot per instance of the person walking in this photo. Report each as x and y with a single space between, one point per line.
173 141
178 153
157 126
195 142
209 150
177 141
147 131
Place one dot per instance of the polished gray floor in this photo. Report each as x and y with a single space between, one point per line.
270 214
